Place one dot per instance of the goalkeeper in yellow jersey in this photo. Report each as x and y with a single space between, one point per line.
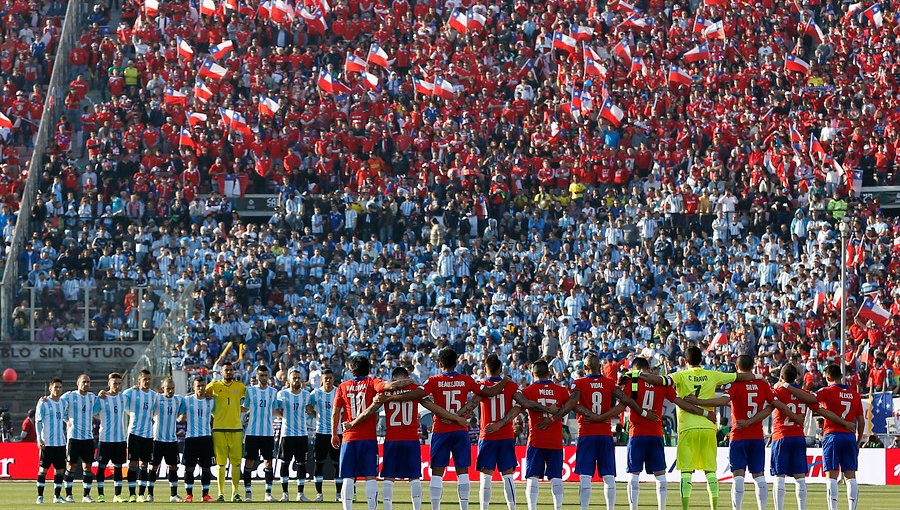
696 449
227 430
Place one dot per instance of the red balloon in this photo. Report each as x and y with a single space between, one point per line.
10 375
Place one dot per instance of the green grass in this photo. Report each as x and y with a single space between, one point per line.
21 495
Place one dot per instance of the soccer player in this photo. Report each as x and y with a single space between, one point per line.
79 405
227 395
165 443
788 457
321 406
449 390
841 407
291 406
751 403
259 403
198 445
50 425
140 402
645 436
696 449
111 407
402 455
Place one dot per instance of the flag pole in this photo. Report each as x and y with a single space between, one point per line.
843 227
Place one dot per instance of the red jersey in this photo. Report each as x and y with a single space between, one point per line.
401 419
782 425
352 398
596 393
495 408
747 399
842 401
450 390
547 394
652 398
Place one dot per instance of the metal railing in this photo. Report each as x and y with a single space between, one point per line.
158 354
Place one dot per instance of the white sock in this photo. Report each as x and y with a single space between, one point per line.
779 492
737 492
584 491
531 493
347 493
484 491
633 489
509 491
609 482
556 488
832 493
661 492
852 493
800 491
436 490
463 490
415 492
371 494
388 497
762 492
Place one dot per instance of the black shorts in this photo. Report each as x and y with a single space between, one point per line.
198 451
259 446
54 456
165 452
294 447
80 451
324 450
140 448
112 452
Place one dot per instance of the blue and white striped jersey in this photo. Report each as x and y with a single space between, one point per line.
293 407
166 422
112 418
50 422
260 402
80 412
323 403
198 413
140 406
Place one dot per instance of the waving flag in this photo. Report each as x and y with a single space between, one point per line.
623 51
593 68
173 96
715 30
698 53
563 42
587 102
872 311
264 11
329 84
185 139
636 21
377 56
423 87
354 64
815 148
701 24
612 113
582 33
852 11
459 21
202 92
218 51
185 50
721 338
210 69
234 121
151 7
679 76
5 122
230 6
195 118
638 66
208 8
813 30
796 64
314 19
796 139
282 12
625 7
818 301
370 81
475 20
443 88
874 15
268 106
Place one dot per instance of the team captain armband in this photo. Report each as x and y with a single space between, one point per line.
667 381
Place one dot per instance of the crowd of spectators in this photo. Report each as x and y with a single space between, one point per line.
502 219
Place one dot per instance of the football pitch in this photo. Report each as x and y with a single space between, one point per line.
21 495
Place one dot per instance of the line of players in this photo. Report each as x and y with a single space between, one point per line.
64 425
452 396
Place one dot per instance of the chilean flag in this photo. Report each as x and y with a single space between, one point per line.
202 92
314 18
173 96
582 33
699 53
819 301
219 51
721 338
813 30
282 12
377 56
196 118
796 139
872 311
370 81
268 106
638 66
796 64
423 87
623 51
592 67
443 88
354 64
329 84
701 24
874 15
815 147
185 138
151 7
208 7
265 9
210 69
679 76
612 113
234 120
625 7
636 21
587 102
459 21
185 50
564 42
5 122
714 30
475 20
